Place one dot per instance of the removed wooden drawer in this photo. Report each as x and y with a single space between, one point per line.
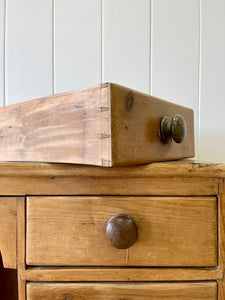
172 231
126 291
103 125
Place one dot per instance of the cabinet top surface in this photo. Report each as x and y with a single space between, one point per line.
182 168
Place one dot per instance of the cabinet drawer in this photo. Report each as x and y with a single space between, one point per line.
71 231
104 125
125 291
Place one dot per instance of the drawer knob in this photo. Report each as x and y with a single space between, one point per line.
121 231
173 128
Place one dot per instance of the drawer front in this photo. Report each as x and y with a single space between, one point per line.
125 291
172 231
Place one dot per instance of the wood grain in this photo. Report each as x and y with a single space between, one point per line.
121 274
21 247
108 186
221 289
183 225
182 168
129 291
221 206
104 125
221 283
8 214
171 231
62 128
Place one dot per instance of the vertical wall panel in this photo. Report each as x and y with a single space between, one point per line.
28 49
77 44
2 46
175 53
212 100
126 43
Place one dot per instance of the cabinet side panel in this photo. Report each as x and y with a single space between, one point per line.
8 212
21 246
221 283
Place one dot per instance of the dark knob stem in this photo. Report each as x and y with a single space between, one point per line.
121 231
174 128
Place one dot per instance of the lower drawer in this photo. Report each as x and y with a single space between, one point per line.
125 291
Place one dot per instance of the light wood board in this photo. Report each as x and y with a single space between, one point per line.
137 291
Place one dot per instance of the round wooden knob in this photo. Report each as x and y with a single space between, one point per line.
121 231
174 128
68 297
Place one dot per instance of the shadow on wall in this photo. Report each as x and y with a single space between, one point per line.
212 145
8 283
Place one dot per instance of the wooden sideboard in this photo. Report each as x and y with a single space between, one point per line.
53 221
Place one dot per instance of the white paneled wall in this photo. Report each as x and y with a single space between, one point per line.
175 53
212 85
28 54
2 51
126 43
173 49
77 32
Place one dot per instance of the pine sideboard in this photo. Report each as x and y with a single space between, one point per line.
58 231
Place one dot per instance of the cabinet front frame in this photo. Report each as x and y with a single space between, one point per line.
26 273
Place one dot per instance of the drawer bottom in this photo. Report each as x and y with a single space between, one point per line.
125 291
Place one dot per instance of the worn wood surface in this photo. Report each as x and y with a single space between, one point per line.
68 127
103 125
191 218
171 231
21 245
221 289
221 283
121 274
107 186
140 291
221 201
8 212
183 168
135 121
